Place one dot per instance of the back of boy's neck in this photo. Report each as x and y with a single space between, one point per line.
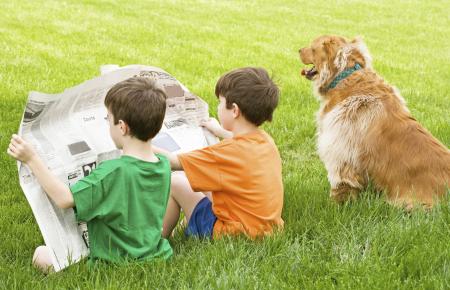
140 150
244 129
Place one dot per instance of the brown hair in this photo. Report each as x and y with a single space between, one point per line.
252 90
140 103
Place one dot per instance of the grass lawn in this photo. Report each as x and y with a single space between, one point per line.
51 45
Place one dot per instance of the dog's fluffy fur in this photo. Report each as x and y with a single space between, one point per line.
365 131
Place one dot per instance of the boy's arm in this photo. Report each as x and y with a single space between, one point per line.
213 125
58 191
173 158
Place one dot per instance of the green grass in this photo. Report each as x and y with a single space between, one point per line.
51 45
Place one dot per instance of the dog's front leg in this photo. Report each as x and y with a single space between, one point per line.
344 192
346 183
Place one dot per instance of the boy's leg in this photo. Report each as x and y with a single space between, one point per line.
171 217
181 195
42 259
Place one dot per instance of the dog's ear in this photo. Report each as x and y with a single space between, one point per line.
360 53
351 53
342 59
342 56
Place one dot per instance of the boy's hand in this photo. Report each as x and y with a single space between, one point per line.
213 125
173 158
21 150
58 191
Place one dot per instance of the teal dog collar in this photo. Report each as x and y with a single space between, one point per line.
343 75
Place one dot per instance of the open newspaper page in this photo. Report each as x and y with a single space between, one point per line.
70 132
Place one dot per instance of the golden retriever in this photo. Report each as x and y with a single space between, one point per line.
366 132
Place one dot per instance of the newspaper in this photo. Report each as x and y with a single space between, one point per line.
70 132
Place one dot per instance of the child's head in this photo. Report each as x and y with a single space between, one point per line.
137 106
252 91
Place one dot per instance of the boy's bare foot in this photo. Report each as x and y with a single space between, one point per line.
42 259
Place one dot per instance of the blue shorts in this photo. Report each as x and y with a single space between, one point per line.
202 220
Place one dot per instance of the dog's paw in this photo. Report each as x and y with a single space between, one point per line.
344 193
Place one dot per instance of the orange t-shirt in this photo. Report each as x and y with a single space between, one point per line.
244 176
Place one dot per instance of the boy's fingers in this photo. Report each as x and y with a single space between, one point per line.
12 148
14 143
10 152
17 138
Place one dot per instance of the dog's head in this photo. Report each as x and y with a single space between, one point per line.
330 55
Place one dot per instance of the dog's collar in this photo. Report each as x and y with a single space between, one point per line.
343 75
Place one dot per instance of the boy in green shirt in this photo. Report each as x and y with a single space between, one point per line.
123 200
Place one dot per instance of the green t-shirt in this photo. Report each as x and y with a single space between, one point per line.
123 202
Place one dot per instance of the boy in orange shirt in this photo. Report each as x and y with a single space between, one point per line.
242 172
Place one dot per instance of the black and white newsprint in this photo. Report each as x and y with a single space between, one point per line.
70 132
